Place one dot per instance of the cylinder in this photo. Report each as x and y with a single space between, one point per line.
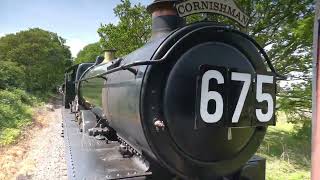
109 55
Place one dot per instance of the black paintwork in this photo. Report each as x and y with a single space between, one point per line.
132 102
72 75
171 152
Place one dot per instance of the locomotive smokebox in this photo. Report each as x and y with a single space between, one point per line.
165 18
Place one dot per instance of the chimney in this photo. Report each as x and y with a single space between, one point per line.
165 17
109 55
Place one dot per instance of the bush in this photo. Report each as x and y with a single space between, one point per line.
303 131
15 113
11 75
8 135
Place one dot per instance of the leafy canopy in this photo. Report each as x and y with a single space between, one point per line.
132 31
34 59
284 28
10 75
89 53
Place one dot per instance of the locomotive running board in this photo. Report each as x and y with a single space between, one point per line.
88 158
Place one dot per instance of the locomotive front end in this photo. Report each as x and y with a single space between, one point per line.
206 109
196 99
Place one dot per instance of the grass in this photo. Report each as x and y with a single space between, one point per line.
288 156
9 135
15 114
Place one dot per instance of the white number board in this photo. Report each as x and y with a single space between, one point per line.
229 98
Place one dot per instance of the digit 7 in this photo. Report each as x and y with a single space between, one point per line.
246 78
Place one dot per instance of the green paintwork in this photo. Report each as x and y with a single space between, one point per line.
91 89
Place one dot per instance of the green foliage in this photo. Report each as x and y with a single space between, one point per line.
89 53
132 31
296 103
289 33
11 75
288 156
9 135
15 113
39 57
32 60
303 130
284 28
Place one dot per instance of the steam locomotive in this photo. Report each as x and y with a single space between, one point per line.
195 101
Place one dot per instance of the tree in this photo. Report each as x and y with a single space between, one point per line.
282 27
89 53
132 31
41 55
10 75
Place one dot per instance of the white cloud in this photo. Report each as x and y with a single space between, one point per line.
2 34
75 46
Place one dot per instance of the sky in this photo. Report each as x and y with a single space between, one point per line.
76 21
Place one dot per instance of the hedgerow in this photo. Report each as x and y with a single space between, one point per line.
15 113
